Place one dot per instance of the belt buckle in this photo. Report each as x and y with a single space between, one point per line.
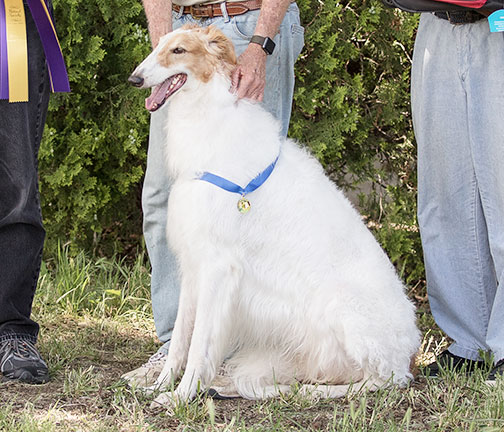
450 19
195 8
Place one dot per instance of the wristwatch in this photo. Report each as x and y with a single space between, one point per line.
266 43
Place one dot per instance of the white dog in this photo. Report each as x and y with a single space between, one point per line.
286 284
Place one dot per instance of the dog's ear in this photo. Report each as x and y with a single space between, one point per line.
221 46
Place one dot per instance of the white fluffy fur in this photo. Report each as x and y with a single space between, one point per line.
296 290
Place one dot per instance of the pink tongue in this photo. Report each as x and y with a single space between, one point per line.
157 96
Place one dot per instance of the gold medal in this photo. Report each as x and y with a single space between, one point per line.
243 205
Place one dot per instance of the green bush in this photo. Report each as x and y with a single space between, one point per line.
351 108
93 153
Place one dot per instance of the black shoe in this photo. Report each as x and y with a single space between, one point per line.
498 370
20 360
446 361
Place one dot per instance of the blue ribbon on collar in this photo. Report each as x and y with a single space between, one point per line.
233 187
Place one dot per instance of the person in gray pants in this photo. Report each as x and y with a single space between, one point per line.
457 95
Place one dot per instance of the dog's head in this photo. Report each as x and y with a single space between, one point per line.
181 59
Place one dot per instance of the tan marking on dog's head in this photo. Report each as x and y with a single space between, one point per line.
203 50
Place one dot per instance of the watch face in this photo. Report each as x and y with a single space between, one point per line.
269 45
265 42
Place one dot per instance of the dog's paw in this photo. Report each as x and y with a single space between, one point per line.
164 400
321 391
150 390
170 399
311 392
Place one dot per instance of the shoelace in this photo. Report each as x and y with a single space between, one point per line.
154 359
20 348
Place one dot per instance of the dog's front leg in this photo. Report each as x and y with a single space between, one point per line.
212 329
182 332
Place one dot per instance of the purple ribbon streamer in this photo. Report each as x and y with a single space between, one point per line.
54 57
4 69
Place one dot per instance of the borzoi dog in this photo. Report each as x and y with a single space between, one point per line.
279 275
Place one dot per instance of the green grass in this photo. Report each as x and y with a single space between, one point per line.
96 323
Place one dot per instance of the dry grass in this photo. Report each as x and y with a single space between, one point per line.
106 328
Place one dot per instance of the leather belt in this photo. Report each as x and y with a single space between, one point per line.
462 17
215 9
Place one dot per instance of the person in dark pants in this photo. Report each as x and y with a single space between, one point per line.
21 230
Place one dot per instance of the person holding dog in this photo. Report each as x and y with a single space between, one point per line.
458 107
268 38
24 93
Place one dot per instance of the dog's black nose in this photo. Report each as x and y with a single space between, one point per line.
135 80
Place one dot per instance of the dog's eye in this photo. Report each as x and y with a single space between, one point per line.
178 51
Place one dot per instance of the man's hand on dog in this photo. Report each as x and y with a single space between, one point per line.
248 80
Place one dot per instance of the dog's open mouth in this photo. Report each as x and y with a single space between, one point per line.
164 90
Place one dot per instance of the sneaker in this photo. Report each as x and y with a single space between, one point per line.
20 360
145 375
222 388
498 370
448 361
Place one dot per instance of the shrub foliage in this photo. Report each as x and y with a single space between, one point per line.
93 153
351 108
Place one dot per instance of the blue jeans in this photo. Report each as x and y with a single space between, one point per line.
21 231
458 110
165 285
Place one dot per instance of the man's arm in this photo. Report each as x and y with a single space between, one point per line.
249 78
159 18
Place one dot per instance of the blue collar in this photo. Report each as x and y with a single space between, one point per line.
233 187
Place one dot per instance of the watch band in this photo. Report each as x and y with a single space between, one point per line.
266 43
